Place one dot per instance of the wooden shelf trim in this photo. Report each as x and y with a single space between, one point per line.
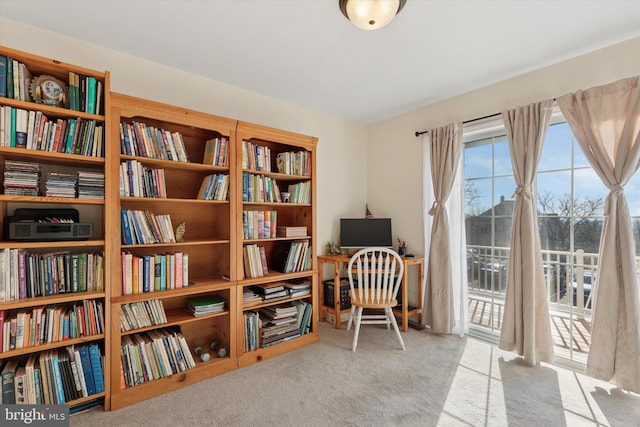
49 346
50 299
176 317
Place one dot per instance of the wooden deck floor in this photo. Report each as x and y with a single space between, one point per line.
571 339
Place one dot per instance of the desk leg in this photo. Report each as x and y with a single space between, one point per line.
421 292
321 290
405 300
336 293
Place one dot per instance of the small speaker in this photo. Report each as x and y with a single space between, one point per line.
84 230
21 231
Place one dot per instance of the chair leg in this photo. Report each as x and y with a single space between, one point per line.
353 308
357 330
392 318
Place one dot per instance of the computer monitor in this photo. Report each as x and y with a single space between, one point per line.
356 233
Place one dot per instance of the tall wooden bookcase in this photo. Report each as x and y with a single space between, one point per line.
42 265
169 172
208 242
271 143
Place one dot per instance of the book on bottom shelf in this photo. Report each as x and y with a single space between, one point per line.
154 354
53 376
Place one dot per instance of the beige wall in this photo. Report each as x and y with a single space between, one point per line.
341 162
395 154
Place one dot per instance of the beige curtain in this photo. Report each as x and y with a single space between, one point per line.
445 148
526 326
606 123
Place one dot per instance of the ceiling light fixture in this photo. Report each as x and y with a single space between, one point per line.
371 14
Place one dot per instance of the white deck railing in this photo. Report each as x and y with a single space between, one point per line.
570 279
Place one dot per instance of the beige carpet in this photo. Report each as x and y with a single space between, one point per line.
437 381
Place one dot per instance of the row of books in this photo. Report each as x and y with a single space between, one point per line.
294 163
151 273
259 188
145 227
54 376
216 152
138 180
153 355
255 261
85 93
214 187
48 324
292 257
142 314
256 157
275 324
138 139
300 193
259 224
25 274
15 79
33 130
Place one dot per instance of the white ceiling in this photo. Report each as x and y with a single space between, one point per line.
307 53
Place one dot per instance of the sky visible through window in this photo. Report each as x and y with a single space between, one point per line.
554 172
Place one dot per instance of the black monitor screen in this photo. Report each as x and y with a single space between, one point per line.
363 232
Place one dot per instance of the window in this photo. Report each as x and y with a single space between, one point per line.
570 201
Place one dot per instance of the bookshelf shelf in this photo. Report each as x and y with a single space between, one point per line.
169 164
45 199
49 346
54 111
56 244
175 317
59 158
52 299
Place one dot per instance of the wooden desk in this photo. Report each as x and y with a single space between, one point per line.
404 311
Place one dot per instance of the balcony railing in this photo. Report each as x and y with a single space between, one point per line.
570 281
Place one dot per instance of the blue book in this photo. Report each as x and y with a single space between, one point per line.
96 367
71 128
126 229
91 95
163 272
86 370
3 76
57 378
146 273
9 78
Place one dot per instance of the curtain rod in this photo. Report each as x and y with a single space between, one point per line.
469 121
464 123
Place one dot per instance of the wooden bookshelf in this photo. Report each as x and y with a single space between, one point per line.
152 186
208 240
20 142
271 143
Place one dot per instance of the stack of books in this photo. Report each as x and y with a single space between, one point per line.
205 304
284 231
21 178
61 184
90 185
271 291
280 323
298 287
250 297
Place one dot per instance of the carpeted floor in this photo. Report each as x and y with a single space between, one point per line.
437 381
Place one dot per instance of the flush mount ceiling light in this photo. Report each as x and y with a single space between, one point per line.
371 14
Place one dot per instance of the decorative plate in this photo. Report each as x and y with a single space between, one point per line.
49 90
